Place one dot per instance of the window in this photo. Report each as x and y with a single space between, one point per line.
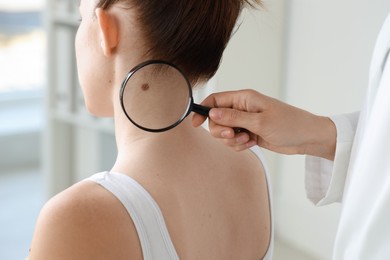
22 45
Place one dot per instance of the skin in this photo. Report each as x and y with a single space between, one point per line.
269 123
214 201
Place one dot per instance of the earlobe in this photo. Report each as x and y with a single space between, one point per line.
108 29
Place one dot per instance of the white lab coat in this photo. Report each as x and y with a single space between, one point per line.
360 174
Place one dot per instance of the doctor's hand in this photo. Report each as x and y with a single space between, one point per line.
268 123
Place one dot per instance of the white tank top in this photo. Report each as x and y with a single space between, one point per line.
146 214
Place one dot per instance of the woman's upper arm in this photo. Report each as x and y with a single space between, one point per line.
83 222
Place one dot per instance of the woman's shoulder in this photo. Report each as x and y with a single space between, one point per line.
84 222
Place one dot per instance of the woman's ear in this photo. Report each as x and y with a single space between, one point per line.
108 28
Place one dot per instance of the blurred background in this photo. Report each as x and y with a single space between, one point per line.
311 54
22 87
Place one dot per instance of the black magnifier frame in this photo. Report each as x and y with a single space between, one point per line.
192 106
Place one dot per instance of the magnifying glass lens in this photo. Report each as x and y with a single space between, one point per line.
156 96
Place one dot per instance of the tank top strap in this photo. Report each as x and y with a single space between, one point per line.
145 213
259 154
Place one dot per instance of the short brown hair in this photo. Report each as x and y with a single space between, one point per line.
192 34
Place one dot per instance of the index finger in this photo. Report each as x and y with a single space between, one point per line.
238 100
222 99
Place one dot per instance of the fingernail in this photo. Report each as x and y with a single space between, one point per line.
241 139
215 114
225 134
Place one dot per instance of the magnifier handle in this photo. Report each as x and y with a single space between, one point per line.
199 109
238 130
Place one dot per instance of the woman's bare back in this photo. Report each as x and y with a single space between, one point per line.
214 201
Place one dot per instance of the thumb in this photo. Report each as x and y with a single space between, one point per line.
233 118
197 120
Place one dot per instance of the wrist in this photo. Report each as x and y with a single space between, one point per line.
323 142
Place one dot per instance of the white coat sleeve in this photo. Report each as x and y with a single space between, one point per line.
325 179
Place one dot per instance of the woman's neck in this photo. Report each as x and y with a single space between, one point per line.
135 144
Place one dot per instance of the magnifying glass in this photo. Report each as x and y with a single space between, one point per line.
156 96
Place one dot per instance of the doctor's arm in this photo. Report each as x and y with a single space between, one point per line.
269 123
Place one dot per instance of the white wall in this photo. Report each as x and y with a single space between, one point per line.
253 58
315 55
